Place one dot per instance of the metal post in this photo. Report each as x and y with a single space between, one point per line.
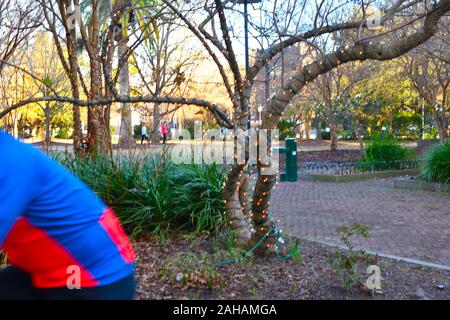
423 119
247 63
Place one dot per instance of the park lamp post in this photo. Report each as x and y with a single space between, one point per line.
247 63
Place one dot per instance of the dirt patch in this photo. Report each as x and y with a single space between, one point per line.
183 269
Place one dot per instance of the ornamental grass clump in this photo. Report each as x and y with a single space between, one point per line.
437 164
152 195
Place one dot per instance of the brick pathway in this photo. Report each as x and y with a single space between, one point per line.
410 224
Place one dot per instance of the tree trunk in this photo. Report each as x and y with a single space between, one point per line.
73 78
334 137
307 128
98 119
244 197
360 133
443 130
47 125
126 133
233 205
266 87
155 127
263 224
319 131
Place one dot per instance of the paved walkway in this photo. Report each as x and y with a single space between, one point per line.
410 224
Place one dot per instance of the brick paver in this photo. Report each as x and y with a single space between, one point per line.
410 224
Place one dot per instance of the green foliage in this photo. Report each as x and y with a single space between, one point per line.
325 135
47 81
63 121
286 129
385 148
293 288
225 238
63 133
431 132
346 262
437 164
153 195
137 131
406 124
295 252
346 135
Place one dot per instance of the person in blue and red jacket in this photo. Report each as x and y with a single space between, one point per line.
60 239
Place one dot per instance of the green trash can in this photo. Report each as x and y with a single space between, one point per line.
290 150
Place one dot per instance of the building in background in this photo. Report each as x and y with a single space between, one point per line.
272 77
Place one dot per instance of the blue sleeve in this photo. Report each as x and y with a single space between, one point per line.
17 184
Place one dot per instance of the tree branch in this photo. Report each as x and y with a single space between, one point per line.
213 108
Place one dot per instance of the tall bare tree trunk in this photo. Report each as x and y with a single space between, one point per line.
360 132
47 125
155 126
73 78
334 137
319 130
443 130
307 128
98 119
126 133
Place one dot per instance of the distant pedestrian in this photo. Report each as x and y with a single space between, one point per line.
164 131
144 135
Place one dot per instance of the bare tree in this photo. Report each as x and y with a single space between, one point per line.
18 20
49 78
428 67
164 65
78 24
324 17
239 86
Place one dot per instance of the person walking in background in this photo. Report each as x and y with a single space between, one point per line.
164 131
144 135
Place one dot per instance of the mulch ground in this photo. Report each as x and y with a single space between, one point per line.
183 269
323 156
335 156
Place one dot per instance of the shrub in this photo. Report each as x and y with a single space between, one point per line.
347 263
286 128
346 135
137 129
431 132
64 133
385 148
437 164
325 135
153 195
